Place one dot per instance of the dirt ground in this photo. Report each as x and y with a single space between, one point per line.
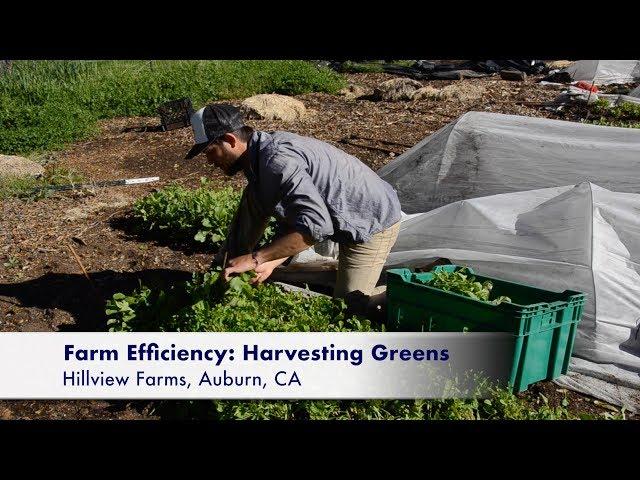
42 287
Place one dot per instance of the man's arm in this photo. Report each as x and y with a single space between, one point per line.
247 226
270 256
287 246
304 211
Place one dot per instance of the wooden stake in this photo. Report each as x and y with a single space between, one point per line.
589 98
84 271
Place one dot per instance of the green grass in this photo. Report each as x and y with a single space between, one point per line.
31 188
373 66
44 105
356 67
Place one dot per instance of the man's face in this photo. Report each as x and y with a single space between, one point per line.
221 154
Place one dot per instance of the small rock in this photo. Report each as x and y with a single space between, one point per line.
12 165
465 91
558 64
513 75
427 92
274 107
354 91
397 89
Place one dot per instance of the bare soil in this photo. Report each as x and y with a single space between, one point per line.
42 287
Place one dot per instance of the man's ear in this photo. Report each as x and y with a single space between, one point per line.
231 139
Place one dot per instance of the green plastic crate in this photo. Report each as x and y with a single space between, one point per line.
544 323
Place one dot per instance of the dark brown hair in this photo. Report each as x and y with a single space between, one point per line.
244 133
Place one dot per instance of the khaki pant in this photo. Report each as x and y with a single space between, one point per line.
360 264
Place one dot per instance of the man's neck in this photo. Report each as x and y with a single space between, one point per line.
245 159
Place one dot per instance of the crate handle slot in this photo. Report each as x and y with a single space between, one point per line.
558 304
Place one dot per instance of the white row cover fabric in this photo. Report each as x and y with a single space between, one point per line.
581 237
482 154
605 72
635 92
619 99
575 94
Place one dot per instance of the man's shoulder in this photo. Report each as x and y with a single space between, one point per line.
278 135
272 158
295 140
274 149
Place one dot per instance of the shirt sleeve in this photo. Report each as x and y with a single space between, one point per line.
288 189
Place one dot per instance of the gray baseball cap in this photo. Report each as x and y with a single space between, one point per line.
210 123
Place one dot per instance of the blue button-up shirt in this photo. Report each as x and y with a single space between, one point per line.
317 189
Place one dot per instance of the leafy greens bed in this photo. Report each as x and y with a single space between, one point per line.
200 215
206 303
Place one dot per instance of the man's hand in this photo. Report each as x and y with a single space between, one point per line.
279 250
264 270
240 264
246 263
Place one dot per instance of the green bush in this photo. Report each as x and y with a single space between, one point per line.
374 66
46 104
26 128
190 215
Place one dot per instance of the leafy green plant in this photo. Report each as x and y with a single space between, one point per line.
12 262
625 114
200 215
14 186
462 282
